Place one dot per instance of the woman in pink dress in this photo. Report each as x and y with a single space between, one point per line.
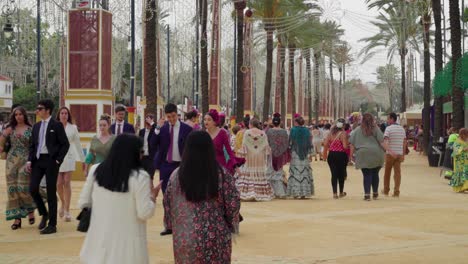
224 154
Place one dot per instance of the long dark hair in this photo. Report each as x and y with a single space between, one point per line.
199 171
124 157
69 120
13 123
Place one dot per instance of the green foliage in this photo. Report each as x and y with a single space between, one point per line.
442 83
25 96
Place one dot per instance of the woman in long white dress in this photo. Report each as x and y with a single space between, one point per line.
74 154
119 192
252 182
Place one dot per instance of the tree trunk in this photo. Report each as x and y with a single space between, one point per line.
427 84
317 87
291 80
458 116
240 61
344 83
333 92
403 52
308 103
283 83
150 73
268 75
339 105
438 100
204 56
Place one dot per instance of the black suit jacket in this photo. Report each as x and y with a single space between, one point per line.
151 149
127 128
56 141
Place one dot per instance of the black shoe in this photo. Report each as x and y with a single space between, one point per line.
241 218
16 225
166 232
43 223
367 197
375 196
49 230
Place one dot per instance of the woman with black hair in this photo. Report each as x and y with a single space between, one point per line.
201 205
119 192
334 152
279 143
20 203
300 181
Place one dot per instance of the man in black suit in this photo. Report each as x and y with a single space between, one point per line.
120 126
148 151
48 147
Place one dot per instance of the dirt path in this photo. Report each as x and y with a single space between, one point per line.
427 224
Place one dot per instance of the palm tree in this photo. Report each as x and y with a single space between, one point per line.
240 6
342 58
151 84
425 7
334 32
204 55
267 11
438 100
387 82
397 23
457 92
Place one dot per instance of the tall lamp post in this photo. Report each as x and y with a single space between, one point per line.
38 59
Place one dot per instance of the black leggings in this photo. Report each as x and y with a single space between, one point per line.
337 161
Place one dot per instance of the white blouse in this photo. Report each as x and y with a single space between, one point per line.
117 232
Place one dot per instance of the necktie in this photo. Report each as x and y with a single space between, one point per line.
119 131
169 152
41 139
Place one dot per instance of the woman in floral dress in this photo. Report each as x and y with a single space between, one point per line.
279 142
252 181
20 203
201 205
459 180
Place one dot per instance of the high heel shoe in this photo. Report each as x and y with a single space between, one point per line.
67 217
16 225
32 220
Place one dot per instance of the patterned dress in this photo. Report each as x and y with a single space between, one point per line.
459 181
252 181
300 181
280 155
201 232
20 202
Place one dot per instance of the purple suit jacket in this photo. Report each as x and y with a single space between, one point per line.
161 143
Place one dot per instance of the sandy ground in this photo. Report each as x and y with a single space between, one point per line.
427 224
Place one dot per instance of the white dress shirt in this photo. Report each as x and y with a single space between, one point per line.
145 142
175 144
45 123
117 123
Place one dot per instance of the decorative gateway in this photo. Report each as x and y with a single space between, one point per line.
83 4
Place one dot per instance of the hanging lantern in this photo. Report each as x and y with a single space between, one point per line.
8 29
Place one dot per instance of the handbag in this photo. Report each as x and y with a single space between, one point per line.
6 148
85 219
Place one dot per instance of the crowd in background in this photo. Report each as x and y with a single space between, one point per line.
206 168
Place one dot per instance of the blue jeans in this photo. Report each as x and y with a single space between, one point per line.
371 178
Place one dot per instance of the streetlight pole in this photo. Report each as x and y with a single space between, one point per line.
132 69
38 59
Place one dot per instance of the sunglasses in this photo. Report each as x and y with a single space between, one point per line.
39 108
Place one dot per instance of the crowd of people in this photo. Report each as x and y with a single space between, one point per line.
205 171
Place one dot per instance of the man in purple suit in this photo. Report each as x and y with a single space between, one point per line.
169 143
